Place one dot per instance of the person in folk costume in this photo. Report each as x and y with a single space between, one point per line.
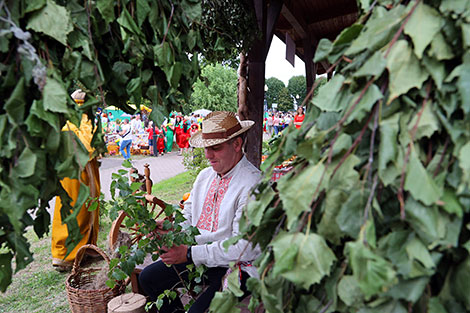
215 205
185 135
179 124
194 128
88 221
170 129
160 145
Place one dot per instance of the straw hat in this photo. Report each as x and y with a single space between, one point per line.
219 127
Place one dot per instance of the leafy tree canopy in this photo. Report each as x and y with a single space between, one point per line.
297 87
275 86
285 101
216 89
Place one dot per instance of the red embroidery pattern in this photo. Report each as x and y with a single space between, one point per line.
209 219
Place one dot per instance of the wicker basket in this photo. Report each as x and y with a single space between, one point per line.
89 301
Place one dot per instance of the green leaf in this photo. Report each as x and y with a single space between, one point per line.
106 9
15 105
409 290
314 257
424 220
297 192
451 203
351 216
423 25
435 69
349 291
388 147
374 66
234 282
323 49
255 209
173 75
325 99
192 9
404 69
21 247
143 10
373 273
389 307
34 5
26 163
419 183
428 123
466 35
378 31
440 49
126 21
435 306
460 279
53 20
364 106
224 302
55 96
456 6
464 161
463 83
416 250
5 270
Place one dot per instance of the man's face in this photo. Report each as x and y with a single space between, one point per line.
223 157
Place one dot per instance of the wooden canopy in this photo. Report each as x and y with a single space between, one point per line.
301 24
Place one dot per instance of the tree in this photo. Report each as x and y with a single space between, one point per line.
275 86
297 87
377 206
217 90
285 101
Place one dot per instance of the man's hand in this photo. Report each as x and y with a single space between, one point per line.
158 230
175 255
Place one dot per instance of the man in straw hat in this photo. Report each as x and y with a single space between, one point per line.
215 206
88 221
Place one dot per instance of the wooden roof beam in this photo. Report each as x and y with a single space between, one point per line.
297 22
332 14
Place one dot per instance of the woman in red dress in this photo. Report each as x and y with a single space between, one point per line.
160 141
179 124
299 117
185 134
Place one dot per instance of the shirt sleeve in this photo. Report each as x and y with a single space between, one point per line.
214 254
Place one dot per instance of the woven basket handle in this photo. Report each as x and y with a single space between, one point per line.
81 253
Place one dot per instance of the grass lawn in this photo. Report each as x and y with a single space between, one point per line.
40 288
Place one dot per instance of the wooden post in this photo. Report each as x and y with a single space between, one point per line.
310 67
254 109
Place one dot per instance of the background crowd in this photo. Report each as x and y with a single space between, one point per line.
137 134
276 121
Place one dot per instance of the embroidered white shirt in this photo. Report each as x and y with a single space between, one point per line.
215 207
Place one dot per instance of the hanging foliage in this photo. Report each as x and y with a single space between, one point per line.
375 215
116 51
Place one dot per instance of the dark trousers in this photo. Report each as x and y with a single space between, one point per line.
157 277
154 143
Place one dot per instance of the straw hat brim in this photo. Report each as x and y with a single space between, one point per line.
198 142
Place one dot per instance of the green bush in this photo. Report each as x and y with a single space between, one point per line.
195 161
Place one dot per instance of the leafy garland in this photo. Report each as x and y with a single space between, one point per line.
116 51
375 215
